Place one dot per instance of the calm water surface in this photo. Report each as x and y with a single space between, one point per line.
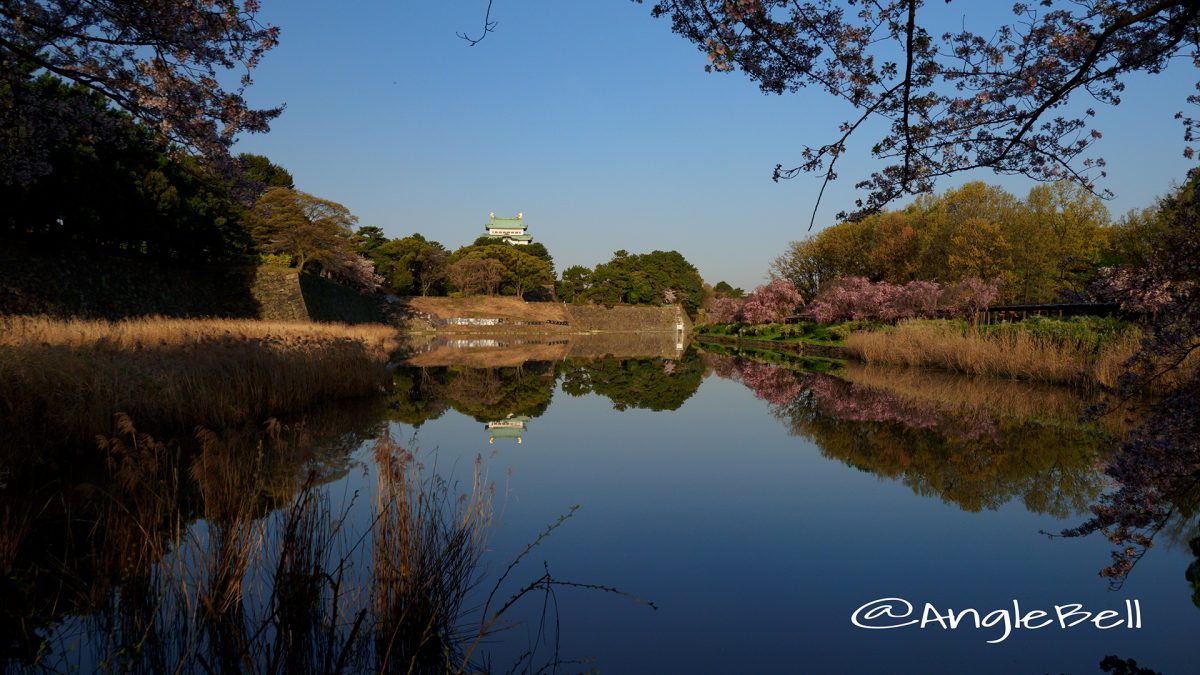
758 506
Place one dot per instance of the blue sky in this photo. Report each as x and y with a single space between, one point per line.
597 123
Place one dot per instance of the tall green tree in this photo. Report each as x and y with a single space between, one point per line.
1045 246
261 174
522 272
368 239
413 265
575 282
309 229
645 279
725 290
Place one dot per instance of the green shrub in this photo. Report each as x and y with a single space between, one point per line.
277 259
1089 331
840 331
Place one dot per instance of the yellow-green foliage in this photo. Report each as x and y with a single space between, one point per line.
1052 240
66 379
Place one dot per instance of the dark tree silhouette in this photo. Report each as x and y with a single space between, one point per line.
162 62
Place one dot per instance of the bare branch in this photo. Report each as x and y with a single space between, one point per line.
489 26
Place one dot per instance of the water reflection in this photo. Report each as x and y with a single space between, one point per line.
512 426
975 444
420 394
230 558
76 525
515 350
493 395
652 384
151 552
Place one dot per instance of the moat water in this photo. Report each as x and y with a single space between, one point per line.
732 516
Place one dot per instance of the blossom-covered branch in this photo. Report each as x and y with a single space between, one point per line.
951 102
165 63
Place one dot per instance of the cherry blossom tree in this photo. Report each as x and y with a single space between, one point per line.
358 272
168 64
724 310
771 303
856 298
996 97
1157 471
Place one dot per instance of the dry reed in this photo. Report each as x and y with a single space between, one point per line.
426 552
1011 354
64 380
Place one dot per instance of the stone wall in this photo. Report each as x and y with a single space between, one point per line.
627 318
87 285
277 292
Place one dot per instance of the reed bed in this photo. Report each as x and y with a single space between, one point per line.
63 381
1013 354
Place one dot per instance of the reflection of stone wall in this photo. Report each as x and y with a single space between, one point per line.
624 345
513 350
513 315
626 318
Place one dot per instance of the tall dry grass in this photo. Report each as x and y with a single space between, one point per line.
64 380
1012 354
426 554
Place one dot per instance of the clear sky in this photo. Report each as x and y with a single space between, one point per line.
597 123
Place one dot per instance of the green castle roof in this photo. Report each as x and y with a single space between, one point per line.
507 222
506 432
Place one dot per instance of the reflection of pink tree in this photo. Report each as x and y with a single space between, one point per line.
845 401
770 383
852 402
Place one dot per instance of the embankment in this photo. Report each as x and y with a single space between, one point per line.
505 315
806 348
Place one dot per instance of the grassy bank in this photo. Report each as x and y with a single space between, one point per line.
1081 351
64 380
831 335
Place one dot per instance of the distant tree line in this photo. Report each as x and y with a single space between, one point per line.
414 265
1046 247
114 186
111 184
